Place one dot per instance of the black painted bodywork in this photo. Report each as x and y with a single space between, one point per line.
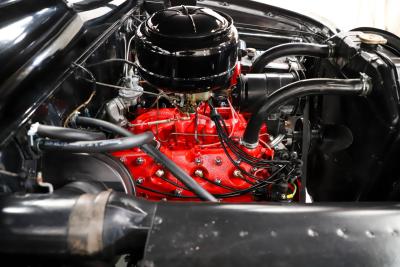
40 42
274 235
28 31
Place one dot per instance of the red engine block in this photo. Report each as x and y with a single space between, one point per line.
191 141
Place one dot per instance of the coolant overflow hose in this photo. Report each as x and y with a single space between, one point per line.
322 86
153 152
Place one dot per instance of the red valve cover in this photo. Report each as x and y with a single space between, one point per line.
191 141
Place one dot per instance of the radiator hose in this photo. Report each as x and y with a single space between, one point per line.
290 49
321 86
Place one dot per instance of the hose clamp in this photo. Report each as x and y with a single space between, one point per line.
248 145
366 84
74 116
32 132
331 49
86 224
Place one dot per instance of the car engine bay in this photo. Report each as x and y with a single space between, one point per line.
195 103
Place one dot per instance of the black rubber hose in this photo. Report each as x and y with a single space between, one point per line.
290 49
98 146
68 134
153 152
356 87
101 124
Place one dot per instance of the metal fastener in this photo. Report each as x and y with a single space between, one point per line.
139 180
218 161
159 173
178 192
139 161
251 52
198 160
237 173
199 173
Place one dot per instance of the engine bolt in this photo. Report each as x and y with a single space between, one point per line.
139 180
218 161
237 173
218 181
251 52
198 160
199 173
283 177
285 155
178 192
294 155
159 173
139 161
254 169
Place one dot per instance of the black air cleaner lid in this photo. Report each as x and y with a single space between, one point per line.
187 49
188 22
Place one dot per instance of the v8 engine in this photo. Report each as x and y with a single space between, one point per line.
226 121
191 54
